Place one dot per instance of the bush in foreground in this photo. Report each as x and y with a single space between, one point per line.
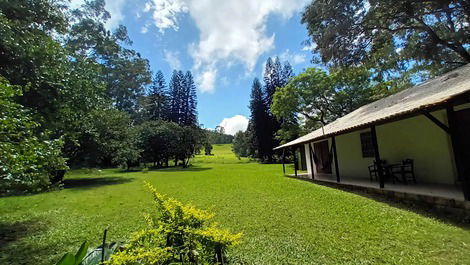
178 233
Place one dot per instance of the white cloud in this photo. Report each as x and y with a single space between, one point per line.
206 80
234 124
293 58
310 47
165 12
230 32
114 7
172 59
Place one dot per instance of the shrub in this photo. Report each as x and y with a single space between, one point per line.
177 233
28 159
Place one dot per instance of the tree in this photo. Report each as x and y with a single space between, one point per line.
391 37
321 98
241 144
124 71
275 76
218 136
108 139
259 118
28 50
157 102
183 99
175 88
189 101
158 141
27 162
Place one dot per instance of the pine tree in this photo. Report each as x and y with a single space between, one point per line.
191 118
259 115
183 99
275 75
175 87
158 105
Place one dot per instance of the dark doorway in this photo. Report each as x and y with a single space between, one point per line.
323 157
303 162
462 125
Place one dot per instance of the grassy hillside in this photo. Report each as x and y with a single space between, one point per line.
284 221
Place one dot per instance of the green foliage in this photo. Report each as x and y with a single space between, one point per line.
85 256
158 141
218 136
161 141
320 97
264 125
183 99
108 138
70 259
391 37
242 143
27 162
177 233
207 148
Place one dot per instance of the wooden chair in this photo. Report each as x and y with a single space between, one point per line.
374 170
407 171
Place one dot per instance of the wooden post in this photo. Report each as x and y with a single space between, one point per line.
335 156
456 146
283 160
310 159
378 161
295 161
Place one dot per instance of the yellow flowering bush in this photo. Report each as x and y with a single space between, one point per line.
176 233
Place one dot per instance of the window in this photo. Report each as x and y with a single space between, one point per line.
366 144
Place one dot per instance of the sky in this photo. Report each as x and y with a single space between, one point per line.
223 43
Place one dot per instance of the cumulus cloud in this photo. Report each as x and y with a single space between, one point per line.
230 32
171 58
234 124
206 80
293 58
165 12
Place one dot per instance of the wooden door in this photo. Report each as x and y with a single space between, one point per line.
323 157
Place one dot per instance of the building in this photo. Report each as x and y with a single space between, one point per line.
427 125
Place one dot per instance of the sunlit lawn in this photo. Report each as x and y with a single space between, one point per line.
284 221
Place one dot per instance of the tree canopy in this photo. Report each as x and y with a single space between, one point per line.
396 37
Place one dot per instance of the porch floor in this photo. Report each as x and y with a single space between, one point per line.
433 190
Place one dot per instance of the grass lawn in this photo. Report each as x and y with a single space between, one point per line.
284 221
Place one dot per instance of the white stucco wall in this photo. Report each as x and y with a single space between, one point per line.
350 160
420 139
417 138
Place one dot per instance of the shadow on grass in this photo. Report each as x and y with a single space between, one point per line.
12 249
85 183
180 169
421 208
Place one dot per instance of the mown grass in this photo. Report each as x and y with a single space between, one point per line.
284 221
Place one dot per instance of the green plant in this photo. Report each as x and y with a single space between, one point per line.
85 256
71 259
28 160
178 233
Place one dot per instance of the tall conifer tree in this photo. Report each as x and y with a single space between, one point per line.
158 101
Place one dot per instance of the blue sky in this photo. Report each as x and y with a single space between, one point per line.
224 44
